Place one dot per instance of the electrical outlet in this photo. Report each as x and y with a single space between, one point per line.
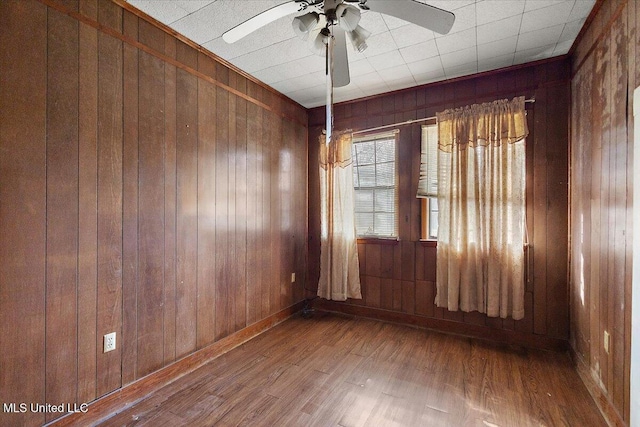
606 341
109 342
293 277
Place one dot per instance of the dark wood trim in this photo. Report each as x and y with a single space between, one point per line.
606 407
597 41
456 328
103 408
429 243
113 33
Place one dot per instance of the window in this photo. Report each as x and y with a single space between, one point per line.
428 184
374 180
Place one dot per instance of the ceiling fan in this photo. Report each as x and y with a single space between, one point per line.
328 23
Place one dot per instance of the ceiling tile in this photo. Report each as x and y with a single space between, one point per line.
457 41
450 5
399 72
419 51
562 47
392 22
425 65
581 9
487 64
360 67
279 53
461 70
498 48
571 30
379 44
465 18
372 21
461 57
192 5
530 5
428 77
386 60
292 69
546 36
499 30
534 54
494 10
546 17
165 12
410 35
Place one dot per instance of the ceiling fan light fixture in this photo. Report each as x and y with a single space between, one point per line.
320 42
348 17
359 38
302 25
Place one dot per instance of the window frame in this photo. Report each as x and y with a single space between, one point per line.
425 212
372 136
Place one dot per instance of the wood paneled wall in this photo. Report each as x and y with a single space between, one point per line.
605 71
399 277
146 189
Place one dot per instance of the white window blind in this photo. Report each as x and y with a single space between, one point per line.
428 182
374 180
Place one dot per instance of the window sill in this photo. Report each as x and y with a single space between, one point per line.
378 240
429 243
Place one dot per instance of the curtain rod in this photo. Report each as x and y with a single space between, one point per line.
408 122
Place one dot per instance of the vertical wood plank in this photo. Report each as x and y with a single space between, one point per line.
540 214
130 204
620 91
87 205
386 293
372 292
208 204
62 209
241 209
23 82
265 209
150 210
556 227
253 305
109 197
222 258
169 325
186 206
233 261
275 225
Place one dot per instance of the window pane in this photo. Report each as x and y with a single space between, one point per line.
374 182
364 200
433 217
365 153
384 224
386 151
364 223
367 176
385 174
385 200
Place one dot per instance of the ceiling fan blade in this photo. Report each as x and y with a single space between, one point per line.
426 16
340 58
262 19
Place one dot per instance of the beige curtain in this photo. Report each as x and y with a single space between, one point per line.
481 199
339 268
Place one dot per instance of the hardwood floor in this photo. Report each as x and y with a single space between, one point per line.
334 370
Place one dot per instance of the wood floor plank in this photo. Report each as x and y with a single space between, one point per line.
370 373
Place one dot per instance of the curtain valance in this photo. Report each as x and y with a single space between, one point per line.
492 123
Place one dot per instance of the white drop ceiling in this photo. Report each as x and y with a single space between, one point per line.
486 35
